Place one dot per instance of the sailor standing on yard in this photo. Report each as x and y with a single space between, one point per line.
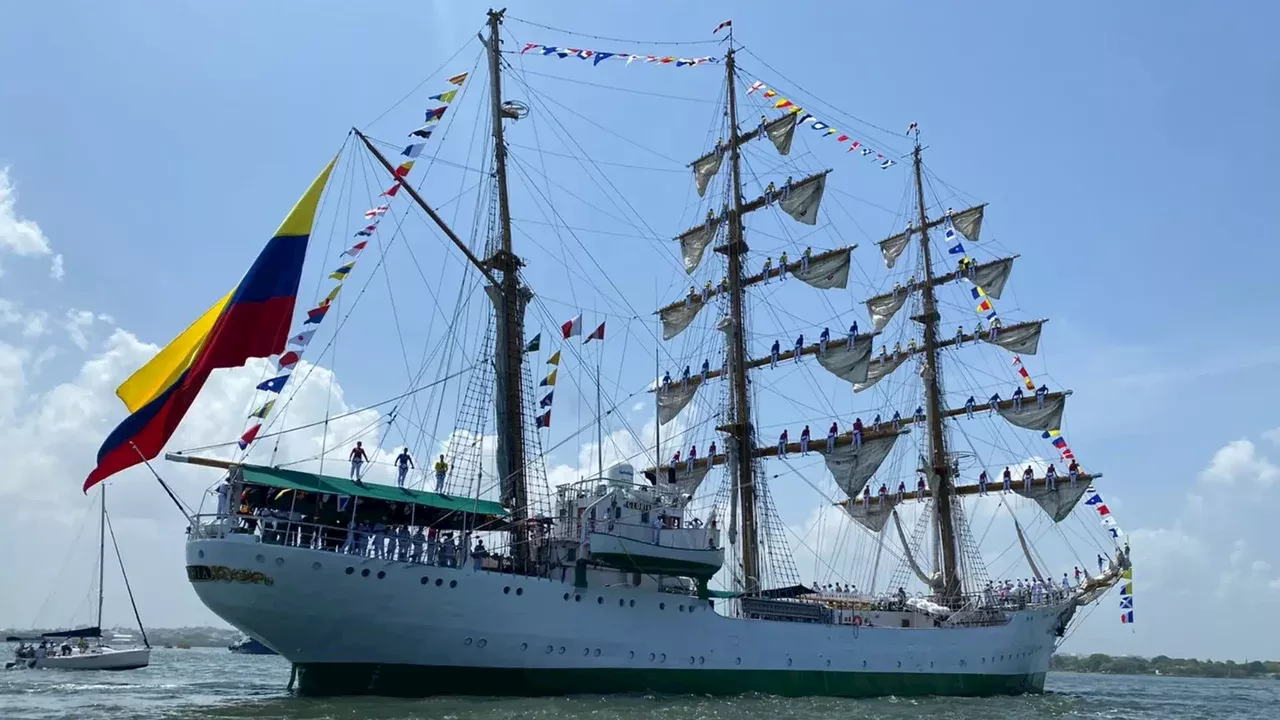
441 468
403 465
357 460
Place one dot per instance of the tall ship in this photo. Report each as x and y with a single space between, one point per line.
464 564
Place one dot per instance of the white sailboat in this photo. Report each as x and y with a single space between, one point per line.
85 648
605 584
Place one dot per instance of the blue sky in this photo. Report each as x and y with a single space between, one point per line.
1123 148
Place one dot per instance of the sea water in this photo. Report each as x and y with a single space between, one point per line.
209 684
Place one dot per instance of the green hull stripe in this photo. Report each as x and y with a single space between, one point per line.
421 681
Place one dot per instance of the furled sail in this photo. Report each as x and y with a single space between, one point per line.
673 398
882 308
878 369
677 317
685 481
827 273
853 466
781 131
969 223
1026 550
849 363
873 515
911 559
892 247
1021 340
803 199
1056 503
705 169
991 277
694 243
1032 417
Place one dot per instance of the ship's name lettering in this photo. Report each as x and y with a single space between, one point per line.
642 507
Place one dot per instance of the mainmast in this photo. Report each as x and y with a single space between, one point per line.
940 468
102 552
509 301
740 405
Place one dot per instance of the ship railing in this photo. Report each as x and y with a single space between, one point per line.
442 550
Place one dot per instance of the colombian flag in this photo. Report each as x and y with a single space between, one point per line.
251 321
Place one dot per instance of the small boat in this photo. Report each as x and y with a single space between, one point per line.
115 654
249 646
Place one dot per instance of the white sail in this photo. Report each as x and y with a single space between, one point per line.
686 481
1031 417
879 368
992 277
853 466
1021 340
849 363
827 273
872 516
1056 503
802 201
677 317
969 223
705 169
781 131
892 247
882 308
675 397
694 243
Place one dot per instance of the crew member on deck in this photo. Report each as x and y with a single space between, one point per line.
692 297
684 377
1102 562
977 330
675 460
693 456
804 260
902 490
823 339
799 347
911 345
982 483
919 416
707 291
1027 476
1017 399
1008 480
418 539
357 457
768 267
666 379
441 468
995 328
875 423
920 489
968 407
711 453
959 336
773 354
866 495
857 432
831 437
782 443
897 420
1073 472
1051 477
883 494
1041 393
897 349
706 369
853 335
782 266
804 441
897 288
403 464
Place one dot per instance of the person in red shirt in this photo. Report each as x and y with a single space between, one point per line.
857 432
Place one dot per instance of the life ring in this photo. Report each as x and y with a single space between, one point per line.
857 620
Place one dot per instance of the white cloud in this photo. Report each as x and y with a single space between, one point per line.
1272 435
56 269
77 323
1238 463
18 235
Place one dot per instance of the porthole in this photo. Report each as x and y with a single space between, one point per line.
662 657
561 649
519 591
692 660
279 562
577 598
200 553
632 655
586 652
662 606
550 649
453 583
864 663
566 596
702 660
632 603
737 661
350 570
681 609
424 580
899 663
524 646
364 572
261 558
622 603
467 641
381 574
315 566
481 642
931 664
597 652
439 582
506 590
600 601
828 662
652 657
788 662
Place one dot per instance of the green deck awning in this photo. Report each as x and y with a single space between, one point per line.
312 482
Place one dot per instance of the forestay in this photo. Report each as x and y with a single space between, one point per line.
849 363
1021 340
853 466
827 273
878 369
677 317
803 199
1032 417
675 397
1056 503
694 243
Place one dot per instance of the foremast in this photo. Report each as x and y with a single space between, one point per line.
940 469
740 426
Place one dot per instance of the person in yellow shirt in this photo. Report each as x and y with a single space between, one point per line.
442 468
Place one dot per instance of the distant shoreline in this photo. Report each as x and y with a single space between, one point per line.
1099 664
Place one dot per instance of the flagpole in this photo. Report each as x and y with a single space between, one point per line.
599 417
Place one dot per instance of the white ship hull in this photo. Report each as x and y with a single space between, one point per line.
360 625
95 659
